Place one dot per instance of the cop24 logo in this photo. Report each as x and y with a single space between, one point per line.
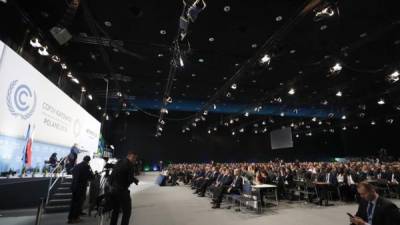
21 100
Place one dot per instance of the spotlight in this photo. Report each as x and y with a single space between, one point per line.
98 107
291 91
292 125
319 122
75 80
181 62
336 68
373 123
231 121
256 131
107 118
264 130
227 8
266 59
90 97
326 12
35 43
43 51
69 74
344 128
263 122
205 112
127 113
394 77
381 101
309 134
162 122
159 128
241 130
64 66
389 121
164 110
168 100
233 133
314 119
339 94
83 89
215 129
214 106
297 135
194 124
324 102
344 117
55 58
246 114
282 114
209 131
233 86
119 94
228 94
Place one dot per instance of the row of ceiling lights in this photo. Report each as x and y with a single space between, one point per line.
43 51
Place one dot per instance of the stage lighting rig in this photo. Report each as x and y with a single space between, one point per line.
326 10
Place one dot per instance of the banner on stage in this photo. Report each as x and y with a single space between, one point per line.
28 97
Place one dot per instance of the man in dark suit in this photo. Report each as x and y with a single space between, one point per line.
81 174
235 187
122 176
373 209
211 178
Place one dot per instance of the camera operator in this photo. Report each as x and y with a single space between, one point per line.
122 176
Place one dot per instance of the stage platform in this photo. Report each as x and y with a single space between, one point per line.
154 205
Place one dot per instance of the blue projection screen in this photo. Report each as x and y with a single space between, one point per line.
281 138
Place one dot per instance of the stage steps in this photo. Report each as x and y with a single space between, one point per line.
61 198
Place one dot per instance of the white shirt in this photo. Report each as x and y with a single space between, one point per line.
340 178
350 180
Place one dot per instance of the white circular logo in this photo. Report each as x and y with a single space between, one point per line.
21 100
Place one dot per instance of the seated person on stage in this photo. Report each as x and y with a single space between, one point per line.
235 187
210 178
53 160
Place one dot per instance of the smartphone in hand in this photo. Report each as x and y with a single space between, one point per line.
351 216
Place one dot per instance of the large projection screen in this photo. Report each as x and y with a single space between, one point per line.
281 138
29 98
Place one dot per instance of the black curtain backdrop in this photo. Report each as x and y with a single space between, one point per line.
137 133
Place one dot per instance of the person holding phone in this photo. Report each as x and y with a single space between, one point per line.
373 209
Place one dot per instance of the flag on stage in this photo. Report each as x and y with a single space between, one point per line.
27 151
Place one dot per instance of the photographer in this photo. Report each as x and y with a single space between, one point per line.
122 176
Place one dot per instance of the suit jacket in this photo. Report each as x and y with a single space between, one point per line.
386 213
227 180
214 176
237 184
